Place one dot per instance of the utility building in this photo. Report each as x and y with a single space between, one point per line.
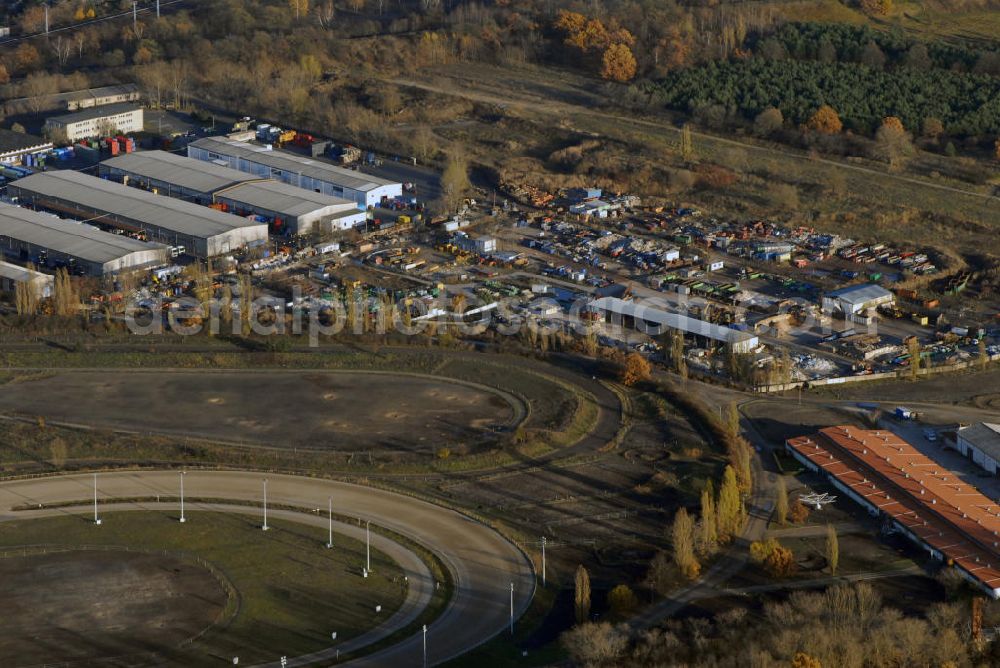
311 174
981 443
44 240
856 299
98 121
201 231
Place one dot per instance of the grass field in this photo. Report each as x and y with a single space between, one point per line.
291 592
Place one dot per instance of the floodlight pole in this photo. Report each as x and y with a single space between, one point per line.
512 609
97 520
329 539
183 520
543 561
368 546
425 646
264 527
157 8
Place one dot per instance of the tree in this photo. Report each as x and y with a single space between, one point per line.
729 510
595 644
798 512
622 601
687 146
917 57
877 7
932 128
676 349
783 196
768 122
581 596
682 536
781 502
708 530
892 143
299 7
872 56
832 549
618 63
58 451
803 660
825 121
984 355
636 370
780 562
455 181
4 74
26 58
913 348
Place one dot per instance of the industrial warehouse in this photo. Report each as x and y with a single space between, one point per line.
364 189
287 208
633 315
201 231
929 504
173 175
30 236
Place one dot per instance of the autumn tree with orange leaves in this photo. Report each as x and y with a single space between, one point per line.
618 63
609 47
825 121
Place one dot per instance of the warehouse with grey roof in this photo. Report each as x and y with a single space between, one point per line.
322 177
201 231
173 175
287 208
291 209
44 240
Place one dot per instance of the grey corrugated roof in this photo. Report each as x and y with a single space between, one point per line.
19 141
74 239
860 294
177 170
985 436
290 162
95 112
166 213
16 272
285 199
672 320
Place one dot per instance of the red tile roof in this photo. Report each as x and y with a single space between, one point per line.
949 515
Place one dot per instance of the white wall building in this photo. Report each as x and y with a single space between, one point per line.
856 299
309 173
99 121
981 443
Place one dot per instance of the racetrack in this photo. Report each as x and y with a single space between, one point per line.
482 563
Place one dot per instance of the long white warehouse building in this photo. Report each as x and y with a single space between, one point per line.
654 321
321 177
44 240
202 231
286 208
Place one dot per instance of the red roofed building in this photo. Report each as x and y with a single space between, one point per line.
929 504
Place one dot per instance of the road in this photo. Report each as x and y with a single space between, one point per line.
483 564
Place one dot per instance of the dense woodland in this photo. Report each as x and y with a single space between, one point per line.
311 61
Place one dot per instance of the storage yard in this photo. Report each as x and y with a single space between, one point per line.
200 230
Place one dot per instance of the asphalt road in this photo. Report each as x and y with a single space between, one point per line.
483 563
